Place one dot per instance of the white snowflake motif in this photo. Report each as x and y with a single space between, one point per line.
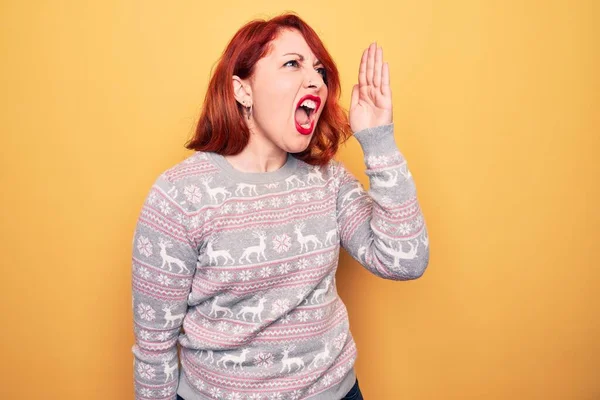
339 341
284 268
352 209
215 392
205 322
184 282
276 396
144 273
144 246
145 392
418 221
237 330
245 275
302 264
319 313
166 391
264 360
255 396
282 243
199 384
164 206
152 198
295 395
145 334
286 319
305 196
404 228
179 218
146 312
146 371
327 380
384 226
225 276
291 199
275 202
280 306
193 194
234 396
195 221
265 272
241 208
320 260
164 280
340 372
163 336
319 194
222 326
225 209
208 214
303 316
258 205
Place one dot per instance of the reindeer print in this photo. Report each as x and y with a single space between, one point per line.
167 259
258 250
391 182
305 240
289 182
214 192
239 191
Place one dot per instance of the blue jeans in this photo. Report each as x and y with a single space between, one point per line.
353 394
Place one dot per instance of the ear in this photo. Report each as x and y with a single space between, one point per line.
242 91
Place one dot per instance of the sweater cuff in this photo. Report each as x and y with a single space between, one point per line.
378 140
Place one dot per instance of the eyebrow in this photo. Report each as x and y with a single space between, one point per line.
318 62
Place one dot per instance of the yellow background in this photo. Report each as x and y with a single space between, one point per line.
496 105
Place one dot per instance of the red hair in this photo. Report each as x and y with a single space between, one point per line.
221 127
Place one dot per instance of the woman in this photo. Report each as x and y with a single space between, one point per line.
239 243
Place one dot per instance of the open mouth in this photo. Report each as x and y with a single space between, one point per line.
306 112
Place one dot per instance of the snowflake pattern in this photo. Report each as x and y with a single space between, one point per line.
264 360
144 273
225 276
245 275
282 243
164 280
404 228
280 306
265 272
144 246
193 194
146 312
146 371
284 268
145 392
164 206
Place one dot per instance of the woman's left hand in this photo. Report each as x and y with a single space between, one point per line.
371 102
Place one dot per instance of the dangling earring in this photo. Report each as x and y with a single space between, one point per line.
249 111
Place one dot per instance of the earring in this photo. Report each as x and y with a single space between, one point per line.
249 111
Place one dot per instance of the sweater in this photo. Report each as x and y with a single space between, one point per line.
237 271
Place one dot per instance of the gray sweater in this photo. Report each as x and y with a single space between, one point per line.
245 263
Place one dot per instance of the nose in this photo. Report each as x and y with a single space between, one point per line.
313 80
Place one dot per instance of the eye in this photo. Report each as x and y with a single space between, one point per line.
322 72
293 62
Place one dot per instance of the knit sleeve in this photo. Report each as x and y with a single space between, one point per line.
163 262
384 228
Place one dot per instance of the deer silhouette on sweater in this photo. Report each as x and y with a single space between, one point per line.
329 236
259 250
170 318
214 192
305 240
215 309
213 255
168 370
255 311
320 292
322 356
315 175
391 182
239 190
237 360
289 182
400 254
348 195
286 361
167 259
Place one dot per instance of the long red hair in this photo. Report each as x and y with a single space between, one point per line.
221 127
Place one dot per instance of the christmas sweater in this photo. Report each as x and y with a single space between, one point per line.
238 269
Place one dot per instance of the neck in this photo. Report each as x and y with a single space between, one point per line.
259 155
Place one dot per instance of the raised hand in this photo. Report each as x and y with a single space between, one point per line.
371 101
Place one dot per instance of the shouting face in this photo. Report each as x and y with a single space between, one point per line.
287 91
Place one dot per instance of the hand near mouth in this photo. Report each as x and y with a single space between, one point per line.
371 101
